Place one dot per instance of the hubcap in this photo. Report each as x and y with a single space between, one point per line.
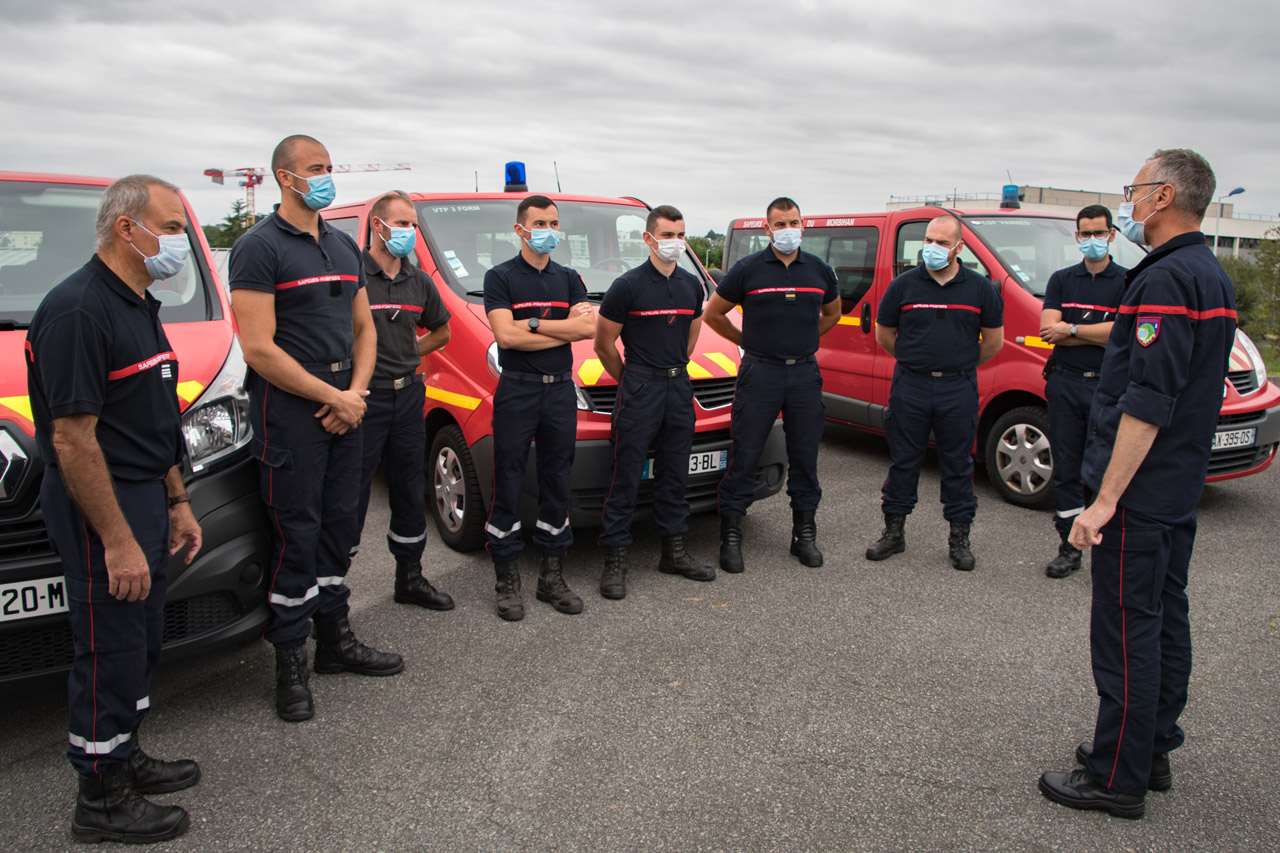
451 489
1023 459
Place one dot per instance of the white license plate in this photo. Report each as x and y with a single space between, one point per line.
1234 438
25 599
699 463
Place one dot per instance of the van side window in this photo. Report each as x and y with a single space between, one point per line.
911 241
852 254
350 227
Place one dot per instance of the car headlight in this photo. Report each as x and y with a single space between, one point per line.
218 424
1259 367
491 359
584 405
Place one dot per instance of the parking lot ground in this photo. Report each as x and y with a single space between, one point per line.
860 706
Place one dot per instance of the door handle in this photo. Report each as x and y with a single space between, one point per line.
866 317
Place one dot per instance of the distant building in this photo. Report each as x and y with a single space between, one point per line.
1235 233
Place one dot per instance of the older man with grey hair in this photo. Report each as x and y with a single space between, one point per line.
103 383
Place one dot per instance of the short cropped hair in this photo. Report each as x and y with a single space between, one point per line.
536 201
662 211
284 155
1191 176
129 197
781 203
385 200
1093 211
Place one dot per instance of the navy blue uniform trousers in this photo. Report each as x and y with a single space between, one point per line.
117 643
1069 395
1140 641
764 389
654 410
310 482
395 432
526 411
948 406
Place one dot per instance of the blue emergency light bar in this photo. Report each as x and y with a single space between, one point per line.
516 177
1009 197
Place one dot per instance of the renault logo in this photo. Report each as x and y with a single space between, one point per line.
13 465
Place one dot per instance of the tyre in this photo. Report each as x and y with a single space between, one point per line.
1018 458
453 491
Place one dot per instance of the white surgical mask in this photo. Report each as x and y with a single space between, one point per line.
669 250
167 262
786 240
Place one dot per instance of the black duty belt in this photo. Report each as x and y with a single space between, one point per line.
1087 374
937 374
396 384
327 366
663 373
783 361
544 378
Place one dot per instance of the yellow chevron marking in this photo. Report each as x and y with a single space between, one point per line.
850 321
1035 341
725 363
21 405
460 400
591 371
697 371
189 390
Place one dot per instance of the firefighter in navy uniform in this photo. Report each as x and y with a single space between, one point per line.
103 382
789 299
536 307
940 321
1150 433
402 299
657 310
1080 304
309 341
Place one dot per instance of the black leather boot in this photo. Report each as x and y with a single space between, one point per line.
109 810
149 775
958 547
413 588
731 543
1078 791
293 697
507 586
804 537
1067 561
676 561
338 650
613 580
1160 778
892 541
553 590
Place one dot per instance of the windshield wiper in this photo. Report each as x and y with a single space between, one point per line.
7 325
479 293
595 295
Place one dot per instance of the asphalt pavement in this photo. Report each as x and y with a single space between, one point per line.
860 706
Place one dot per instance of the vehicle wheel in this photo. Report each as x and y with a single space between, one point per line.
453 492
1019 460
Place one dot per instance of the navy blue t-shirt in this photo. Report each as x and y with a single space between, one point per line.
96 347
655 313
939 324
530 292
1084 300
400 307
314 284
1165 364
780 303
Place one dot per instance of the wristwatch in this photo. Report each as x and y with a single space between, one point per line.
533 325
1073 330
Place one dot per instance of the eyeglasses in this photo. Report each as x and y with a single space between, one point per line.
1102 235
1128 191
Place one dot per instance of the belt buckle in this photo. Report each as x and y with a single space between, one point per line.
400 383
935 373
673 372
789 361
1090 374
547 379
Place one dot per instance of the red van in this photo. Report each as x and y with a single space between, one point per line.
1018 250
46 233
463 235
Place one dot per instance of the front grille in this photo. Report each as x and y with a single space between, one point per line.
22 532
711 393
193 617
1246 381
1242 418
1235 459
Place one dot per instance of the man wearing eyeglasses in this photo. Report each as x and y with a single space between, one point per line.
1079 306
1150 433
402 299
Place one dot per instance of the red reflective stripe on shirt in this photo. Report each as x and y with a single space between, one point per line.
31 354
141 366
1104 308
787 290
661 312
941 305
520 305
392 307
1178 309
317 279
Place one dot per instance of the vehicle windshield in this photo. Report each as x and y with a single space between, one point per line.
47 233
599 240
1032 248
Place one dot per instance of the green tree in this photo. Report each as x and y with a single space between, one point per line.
225 234
1257 281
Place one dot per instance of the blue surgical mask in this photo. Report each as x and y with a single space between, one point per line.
543 240
320 191
935 257
1094 248
167 262
401 241
786 240
1135 232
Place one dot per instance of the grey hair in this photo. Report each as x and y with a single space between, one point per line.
129 197
384 201
1191 176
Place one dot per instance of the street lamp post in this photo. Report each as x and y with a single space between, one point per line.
1217 225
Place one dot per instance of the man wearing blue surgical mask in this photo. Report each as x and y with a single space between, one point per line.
404 302
1080 304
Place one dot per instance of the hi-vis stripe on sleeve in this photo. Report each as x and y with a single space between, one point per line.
1207 314
318 279
141 366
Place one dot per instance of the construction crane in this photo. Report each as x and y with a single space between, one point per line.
253 177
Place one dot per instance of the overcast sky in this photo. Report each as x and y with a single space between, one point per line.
714 106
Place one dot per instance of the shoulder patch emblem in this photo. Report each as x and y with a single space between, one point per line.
1148 330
